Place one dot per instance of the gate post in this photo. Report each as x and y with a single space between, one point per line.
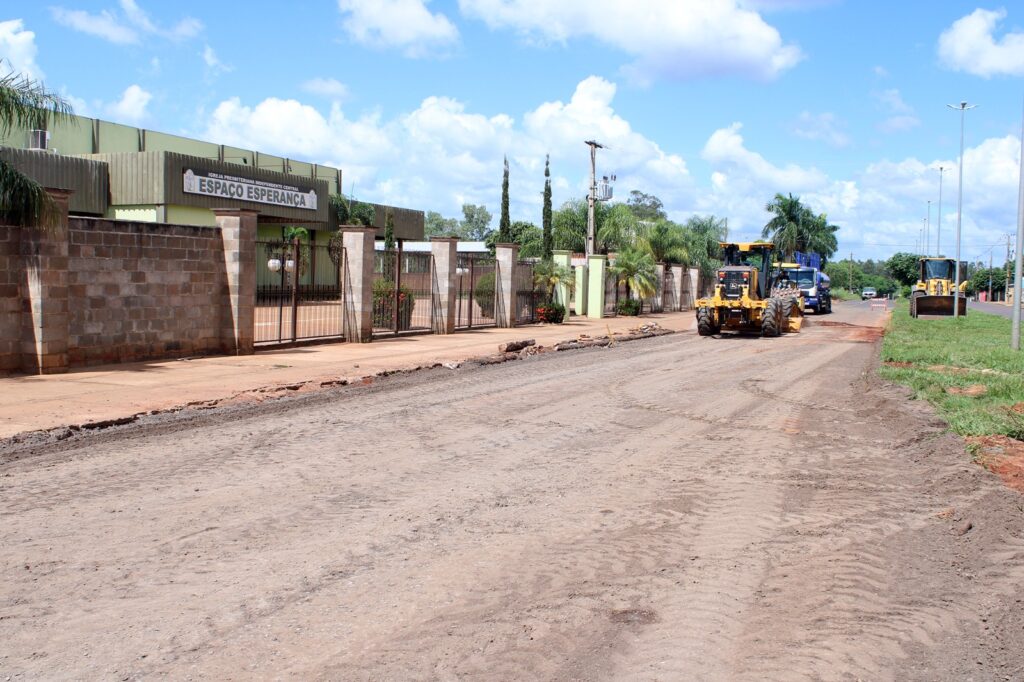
506 258
47 317
595 299
678 272
582 278
446 258
358 303
658 300
238 234
563 259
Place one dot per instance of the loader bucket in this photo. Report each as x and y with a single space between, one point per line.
939 305
794 322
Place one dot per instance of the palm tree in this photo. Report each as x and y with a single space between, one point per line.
26 103
794 227
635 268
702 236
667 242
548 275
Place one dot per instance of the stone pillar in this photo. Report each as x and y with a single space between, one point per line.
46 316
562 293
446 259
597 264
694 284
678 272
358 303
582 278
238 234
658 300
506 259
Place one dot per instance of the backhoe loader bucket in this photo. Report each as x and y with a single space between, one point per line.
938 305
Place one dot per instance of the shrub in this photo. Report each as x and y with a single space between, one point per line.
629 306
483 294
384 301
551 312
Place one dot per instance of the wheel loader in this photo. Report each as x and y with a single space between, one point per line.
749 296
933 294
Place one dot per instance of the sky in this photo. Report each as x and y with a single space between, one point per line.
711 105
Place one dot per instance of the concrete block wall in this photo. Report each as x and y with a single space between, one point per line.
139 291
10 300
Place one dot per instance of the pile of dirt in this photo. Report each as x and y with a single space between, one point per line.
1001 455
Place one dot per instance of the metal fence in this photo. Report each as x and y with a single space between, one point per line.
402 292
476 291
527 295
613 293
299 292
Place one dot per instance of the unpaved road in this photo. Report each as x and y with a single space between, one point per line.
678 508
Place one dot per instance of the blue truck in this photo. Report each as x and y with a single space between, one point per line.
814 285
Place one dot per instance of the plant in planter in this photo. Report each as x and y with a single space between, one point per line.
628 306
551 312
384 304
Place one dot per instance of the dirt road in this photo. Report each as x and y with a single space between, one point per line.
677 508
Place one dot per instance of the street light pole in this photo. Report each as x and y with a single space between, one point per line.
928 231
963 107
1015 333
938 228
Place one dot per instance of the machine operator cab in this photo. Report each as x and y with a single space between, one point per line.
745 265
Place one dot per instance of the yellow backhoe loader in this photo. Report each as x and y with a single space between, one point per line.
934 292
747 296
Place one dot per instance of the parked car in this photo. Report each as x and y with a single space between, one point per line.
868 292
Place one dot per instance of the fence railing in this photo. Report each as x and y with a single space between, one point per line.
402 292
476 291
299 292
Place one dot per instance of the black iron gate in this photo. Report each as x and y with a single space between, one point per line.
402 292
527 296
476 290
299 292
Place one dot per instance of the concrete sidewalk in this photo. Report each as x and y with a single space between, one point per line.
29 403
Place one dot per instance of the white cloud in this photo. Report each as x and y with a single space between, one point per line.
18 49
326 87
131 108
441 155
102 25
214 65
126 28
901 116
880 71
404 24
824 127
969 45
674 40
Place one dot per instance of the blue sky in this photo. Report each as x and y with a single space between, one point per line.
713 106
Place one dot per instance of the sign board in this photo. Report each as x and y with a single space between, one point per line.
245 189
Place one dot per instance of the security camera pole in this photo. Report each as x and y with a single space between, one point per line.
963 107
592 198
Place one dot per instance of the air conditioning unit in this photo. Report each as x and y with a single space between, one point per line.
37 139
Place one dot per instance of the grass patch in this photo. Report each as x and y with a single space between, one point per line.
938 358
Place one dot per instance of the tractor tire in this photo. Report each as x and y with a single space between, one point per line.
913 303
789 307
706 322
771 323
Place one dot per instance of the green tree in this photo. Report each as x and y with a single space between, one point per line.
352 212
903 267
526 234
504 224
436 225
703 233
389 230
548 238
27 104
636 269
547 276
646 206
476 222
666 242
794 227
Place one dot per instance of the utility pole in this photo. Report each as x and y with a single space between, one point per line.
938 229
963 107
592 198
990 274
1007 286
1019 255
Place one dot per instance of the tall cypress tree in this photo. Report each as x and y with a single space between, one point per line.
505 226
389 230
546 212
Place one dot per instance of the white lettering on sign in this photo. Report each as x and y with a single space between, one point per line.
244 189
